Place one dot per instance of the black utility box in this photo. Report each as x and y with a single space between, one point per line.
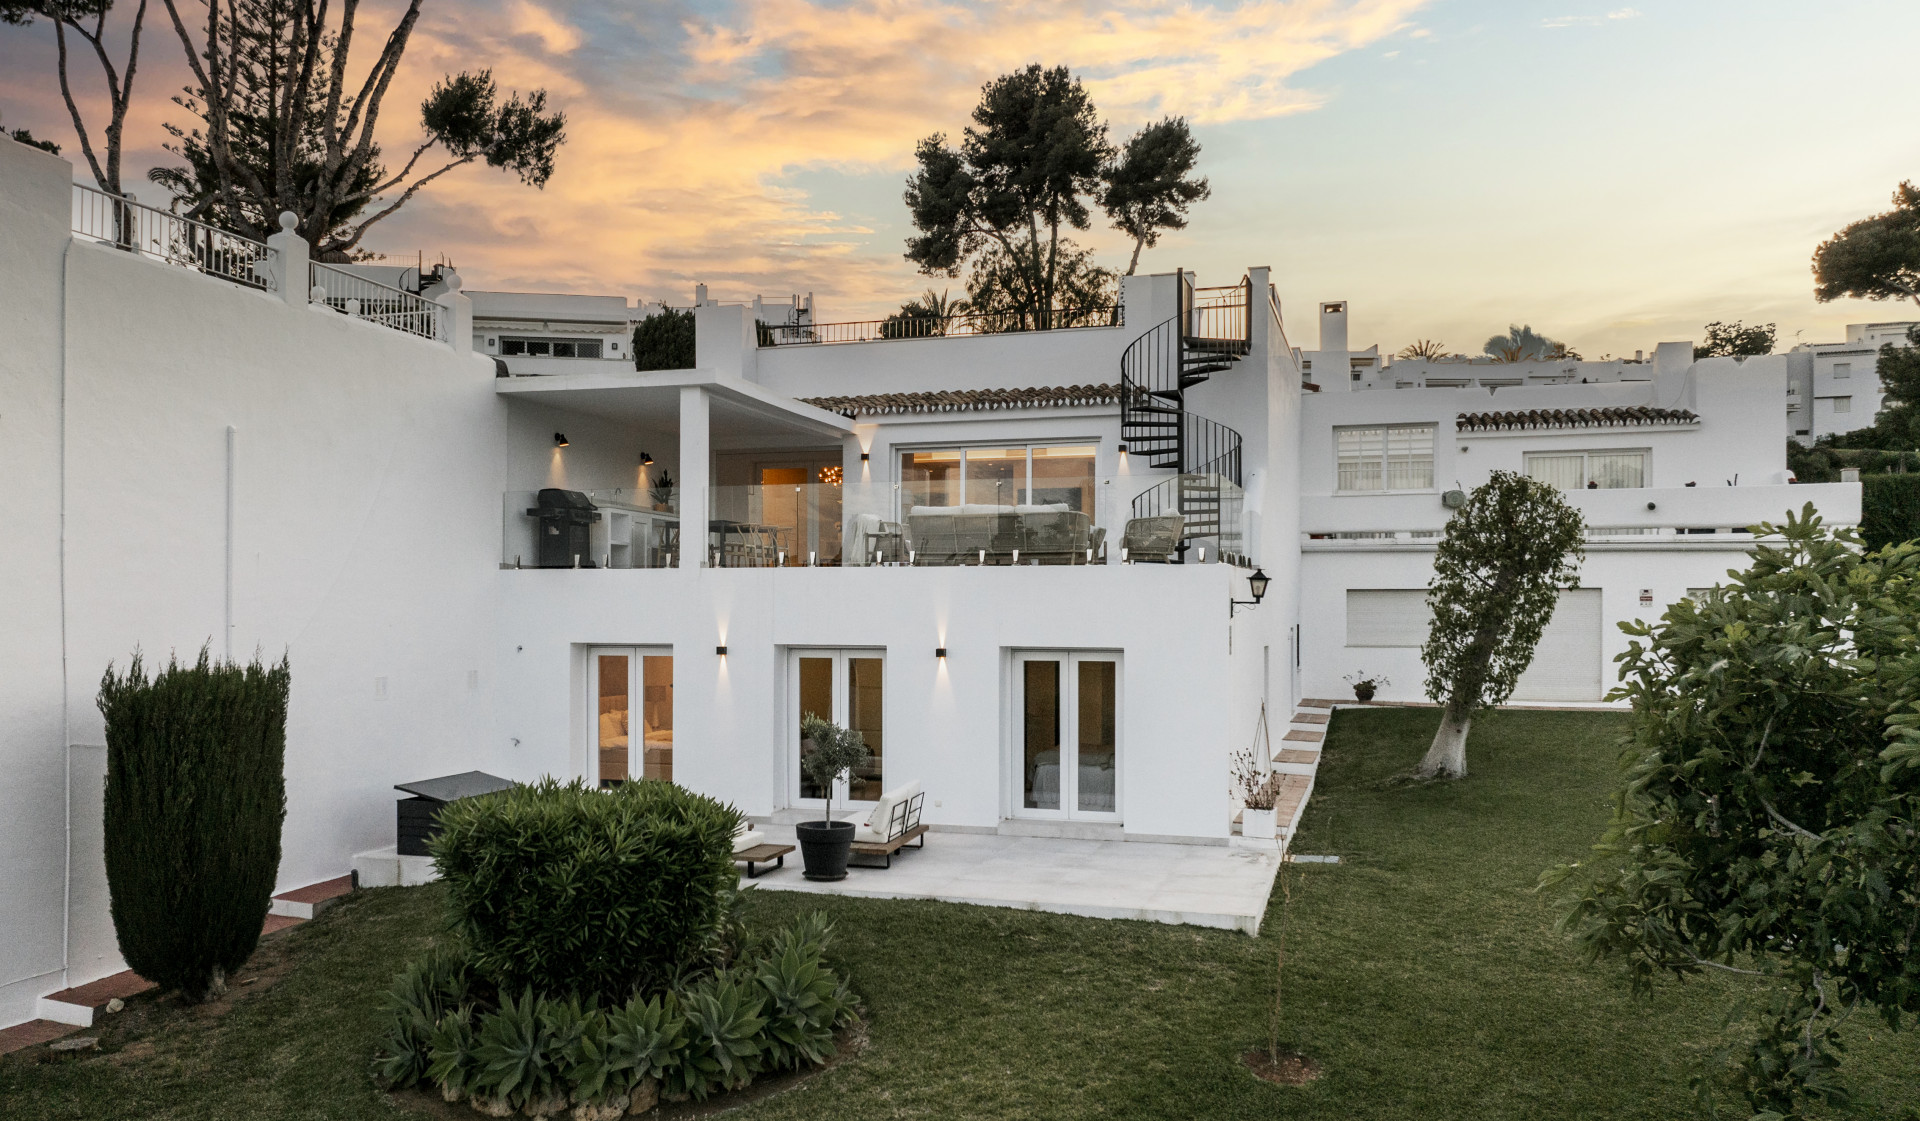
564 516
417 823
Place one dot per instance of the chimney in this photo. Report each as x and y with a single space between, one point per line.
699 295
1333 326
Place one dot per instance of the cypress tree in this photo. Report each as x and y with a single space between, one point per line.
195 798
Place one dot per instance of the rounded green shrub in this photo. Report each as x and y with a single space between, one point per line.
574 890
196 794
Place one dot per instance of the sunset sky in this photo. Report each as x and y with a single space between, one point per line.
1614 176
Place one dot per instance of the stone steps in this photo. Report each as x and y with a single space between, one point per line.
307 902
78 1007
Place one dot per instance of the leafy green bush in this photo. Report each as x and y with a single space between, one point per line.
1889 509
195 798
569 890
775 1010
664 341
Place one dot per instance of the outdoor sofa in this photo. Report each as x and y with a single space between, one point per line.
1051 533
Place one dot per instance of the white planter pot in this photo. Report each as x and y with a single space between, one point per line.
1258 823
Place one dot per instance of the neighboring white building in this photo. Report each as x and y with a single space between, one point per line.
1835 388
920 537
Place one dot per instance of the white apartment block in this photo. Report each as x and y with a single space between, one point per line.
1834 388
1017 560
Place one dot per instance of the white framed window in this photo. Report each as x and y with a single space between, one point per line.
1066 735
1004 475
1601 469
1843 369
550 348
1393 457
1843 404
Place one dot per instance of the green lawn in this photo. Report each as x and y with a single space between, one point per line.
1422 974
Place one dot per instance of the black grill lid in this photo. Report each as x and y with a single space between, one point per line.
452 788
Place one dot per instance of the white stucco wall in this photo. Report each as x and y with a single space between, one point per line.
946 725
34 199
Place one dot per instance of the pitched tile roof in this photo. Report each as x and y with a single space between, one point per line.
1636 416
968 400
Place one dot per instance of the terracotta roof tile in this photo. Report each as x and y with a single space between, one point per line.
968 400
1636 416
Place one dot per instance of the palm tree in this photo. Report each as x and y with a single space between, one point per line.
1429 349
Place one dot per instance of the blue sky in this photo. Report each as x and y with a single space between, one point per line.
1614 176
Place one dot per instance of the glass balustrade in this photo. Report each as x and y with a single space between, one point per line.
1120 519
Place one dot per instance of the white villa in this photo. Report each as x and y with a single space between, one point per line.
1017 560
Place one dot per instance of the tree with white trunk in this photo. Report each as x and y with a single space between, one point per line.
1498 573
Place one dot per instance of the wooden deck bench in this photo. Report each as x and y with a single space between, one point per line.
903 825
760 854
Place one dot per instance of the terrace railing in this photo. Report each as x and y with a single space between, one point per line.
162 236
935 327
355 295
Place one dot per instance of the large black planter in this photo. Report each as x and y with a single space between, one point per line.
824 847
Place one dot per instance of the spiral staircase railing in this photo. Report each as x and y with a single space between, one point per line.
1211 332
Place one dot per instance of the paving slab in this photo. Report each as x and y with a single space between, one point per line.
1196 885
33 1032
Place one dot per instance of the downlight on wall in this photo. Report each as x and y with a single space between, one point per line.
560 439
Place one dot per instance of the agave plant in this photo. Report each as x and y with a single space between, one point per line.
518 1052
627 1046
724 1022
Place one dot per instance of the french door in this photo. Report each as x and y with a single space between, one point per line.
632 701
1066 735
847 687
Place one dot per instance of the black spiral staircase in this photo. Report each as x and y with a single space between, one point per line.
1211 333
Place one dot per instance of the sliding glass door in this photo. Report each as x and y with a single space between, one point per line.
847 687
632 726
1066 735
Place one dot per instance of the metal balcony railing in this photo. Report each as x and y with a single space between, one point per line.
162 236
361 298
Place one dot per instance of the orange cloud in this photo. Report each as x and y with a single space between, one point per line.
690 130
682 152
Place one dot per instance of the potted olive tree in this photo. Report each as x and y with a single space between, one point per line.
833 751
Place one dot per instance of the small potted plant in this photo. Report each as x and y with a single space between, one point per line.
1366 684
828 752
1255 789
661 492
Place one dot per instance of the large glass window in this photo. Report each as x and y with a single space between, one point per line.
633 742
1069 717
1589 470
848 688
1035 474
1385 458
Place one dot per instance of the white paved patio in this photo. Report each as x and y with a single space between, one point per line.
1199 885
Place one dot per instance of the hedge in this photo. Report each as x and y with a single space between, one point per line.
1889 509
586 892
195 798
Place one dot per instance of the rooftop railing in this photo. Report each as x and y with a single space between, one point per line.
357 296
162 236
936 327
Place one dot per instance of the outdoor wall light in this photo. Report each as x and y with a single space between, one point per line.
865 456
1123 449
1651 506
559 439
940 652
646 460
720 651
1257 584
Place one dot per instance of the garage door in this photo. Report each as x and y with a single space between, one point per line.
1567 664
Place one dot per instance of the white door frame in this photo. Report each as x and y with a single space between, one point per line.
1070 661
790 723
636 691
